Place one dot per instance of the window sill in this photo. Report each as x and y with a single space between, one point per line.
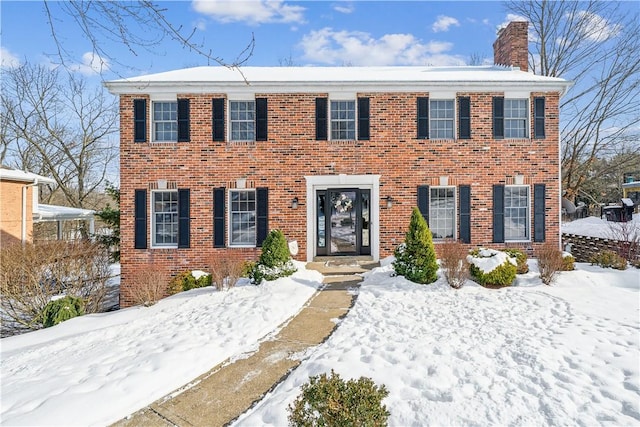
242 246
164 247
517 241
342 142
241 143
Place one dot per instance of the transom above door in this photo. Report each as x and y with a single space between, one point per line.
343 221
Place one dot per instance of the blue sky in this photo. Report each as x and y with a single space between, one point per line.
304 33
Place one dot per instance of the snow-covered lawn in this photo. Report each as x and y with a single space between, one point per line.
524 355
97 369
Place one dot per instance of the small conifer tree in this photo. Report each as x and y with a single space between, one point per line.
275 260
416 257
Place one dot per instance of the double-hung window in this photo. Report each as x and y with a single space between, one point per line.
164 214
243 120
343 120
242 217
441 118
442 212
516 212
165 121
515 118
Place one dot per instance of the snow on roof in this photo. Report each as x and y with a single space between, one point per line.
328 76
23 176
55 213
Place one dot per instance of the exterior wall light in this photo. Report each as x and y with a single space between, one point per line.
390 201
294 203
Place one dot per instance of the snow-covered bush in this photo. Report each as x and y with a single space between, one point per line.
492 268
453 262
62 309
415 259
330 401
568 262
275 260
188 280
521 260
550 262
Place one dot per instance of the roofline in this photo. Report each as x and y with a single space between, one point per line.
22 176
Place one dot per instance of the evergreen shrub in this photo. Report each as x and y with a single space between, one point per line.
492 268
609 259
330 401
415 259
62 309
568 262
521 260
275 260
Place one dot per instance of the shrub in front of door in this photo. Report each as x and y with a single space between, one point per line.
416 257
275 260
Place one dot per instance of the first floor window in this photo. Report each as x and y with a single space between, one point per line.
516 213
515 118
243 120
165 121
343 120
441 119
165 218
442 212
242 217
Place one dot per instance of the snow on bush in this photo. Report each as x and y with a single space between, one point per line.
490 267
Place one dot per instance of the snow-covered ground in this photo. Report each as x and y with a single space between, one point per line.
525 355
597 227
99 368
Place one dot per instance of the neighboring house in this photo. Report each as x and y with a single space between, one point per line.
336 157
20 209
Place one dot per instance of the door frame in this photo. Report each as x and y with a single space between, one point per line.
328 182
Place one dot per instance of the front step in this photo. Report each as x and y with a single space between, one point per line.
342 266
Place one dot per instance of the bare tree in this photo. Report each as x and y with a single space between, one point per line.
58 127
596 45
120 22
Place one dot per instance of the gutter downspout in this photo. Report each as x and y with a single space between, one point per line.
24 211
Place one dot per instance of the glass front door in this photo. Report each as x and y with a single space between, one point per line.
343 222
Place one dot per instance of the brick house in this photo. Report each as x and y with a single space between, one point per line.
336 157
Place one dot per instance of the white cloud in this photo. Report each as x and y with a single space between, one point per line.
8 59
512 17
327 46
91 64
443 23
200 24
597 28
345 8
250 12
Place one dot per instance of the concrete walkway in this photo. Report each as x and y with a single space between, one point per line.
221 395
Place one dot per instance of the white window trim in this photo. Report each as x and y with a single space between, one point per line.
152 128
455 211
453 119
527 124
229 215
228 119
529 222
355 118
152 229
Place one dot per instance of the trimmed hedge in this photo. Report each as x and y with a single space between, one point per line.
502 271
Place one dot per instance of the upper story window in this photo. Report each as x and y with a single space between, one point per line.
343 120
242 219
516 212
242 115
165 121
442 212
441 117
164 216
515 118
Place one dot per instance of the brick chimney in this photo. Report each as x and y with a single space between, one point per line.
512 46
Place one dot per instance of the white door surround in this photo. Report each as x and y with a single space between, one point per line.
325 182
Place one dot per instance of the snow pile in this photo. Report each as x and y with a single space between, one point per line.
597 227
521 355
97 369
488 260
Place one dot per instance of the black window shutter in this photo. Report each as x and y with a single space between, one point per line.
218 217
498 117
464 117
140 120
262 215
184 218
423 201
538 118
261 119
218 119
423 118
363 118
498 213
322 105
465 213
183 120
539 212
140 214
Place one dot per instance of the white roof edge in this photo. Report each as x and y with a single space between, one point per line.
23 176
55 212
